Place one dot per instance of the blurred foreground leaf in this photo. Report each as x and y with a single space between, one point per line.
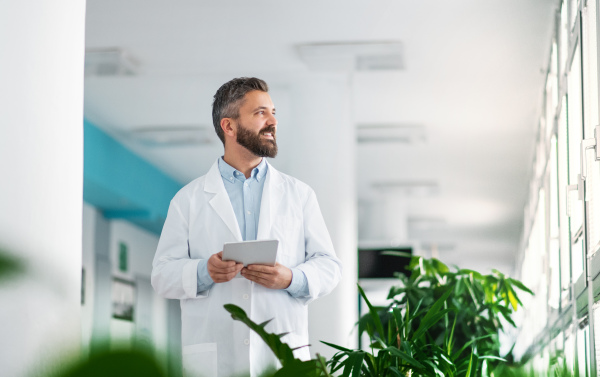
9 266
117 364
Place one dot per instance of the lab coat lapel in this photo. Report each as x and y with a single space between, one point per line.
271 200
220 202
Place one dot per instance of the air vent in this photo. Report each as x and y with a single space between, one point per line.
109 62
391 133
349 56
408 188
163 136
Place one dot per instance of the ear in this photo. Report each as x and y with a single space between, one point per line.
227 127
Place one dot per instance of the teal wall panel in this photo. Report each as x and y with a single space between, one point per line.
123 185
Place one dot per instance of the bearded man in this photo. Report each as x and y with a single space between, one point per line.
243 198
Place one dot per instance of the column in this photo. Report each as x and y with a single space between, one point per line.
41 169
323 156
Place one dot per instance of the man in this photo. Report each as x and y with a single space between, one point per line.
242 197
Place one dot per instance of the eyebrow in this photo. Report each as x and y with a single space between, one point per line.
262 108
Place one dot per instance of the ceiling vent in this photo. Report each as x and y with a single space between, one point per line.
408 188
350 56
390 133
109 62
166 136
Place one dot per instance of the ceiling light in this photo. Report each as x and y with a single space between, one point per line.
408 188
109 62
349 56
162 136
390 133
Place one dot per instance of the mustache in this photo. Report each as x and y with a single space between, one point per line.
270 129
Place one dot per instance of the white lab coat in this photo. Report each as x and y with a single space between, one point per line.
199 221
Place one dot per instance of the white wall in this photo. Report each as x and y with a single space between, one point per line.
41 168
141 247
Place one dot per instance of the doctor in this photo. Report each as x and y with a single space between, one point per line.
242 197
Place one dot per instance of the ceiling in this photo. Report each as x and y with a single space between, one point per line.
472 80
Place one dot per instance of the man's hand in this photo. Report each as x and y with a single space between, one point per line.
277 277
222 271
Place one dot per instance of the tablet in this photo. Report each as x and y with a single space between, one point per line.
251 252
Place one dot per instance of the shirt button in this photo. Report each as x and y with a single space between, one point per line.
246 341
245 296
248 212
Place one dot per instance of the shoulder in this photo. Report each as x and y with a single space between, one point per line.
185 194
292 184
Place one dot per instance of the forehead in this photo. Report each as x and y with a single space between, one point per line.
256 98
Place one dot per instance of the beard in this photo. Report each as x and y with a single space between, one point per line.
254 143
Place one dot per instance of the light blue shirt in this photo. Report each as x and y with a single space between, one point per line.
245 196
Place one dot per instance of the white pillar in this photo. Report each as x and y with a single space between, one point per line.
323 156
41 170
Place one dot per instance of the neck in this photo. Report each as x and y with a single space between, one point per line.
241 159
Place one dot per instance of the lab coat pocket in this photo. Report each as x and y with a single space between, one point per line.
200 360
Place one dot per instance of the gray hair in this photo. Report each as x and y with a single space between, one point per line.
229 98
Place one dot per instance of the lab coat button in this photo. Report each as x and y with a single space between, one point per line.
246 341
245 296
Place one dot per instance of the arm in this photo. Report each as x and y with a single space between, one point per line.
322 269
174 273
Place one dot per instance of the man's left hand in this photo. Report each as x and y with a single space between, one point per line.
277 277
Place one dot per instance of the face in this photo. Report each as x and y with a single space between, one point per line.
256 125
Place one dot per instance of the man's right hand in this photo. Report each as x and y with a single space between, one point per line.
222 271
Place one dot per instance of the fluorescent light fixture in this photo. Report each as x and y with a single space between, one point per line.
408 188
353 55
109 62
390 133
164 136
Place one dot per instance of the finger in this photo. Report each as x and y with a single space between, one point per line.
254 273
224 276
261 268
223 264
224 270
259 280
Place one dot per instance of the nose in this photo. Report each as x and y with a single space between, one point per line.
272 120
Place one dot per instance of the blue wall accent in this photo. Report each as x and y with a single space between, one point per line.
121 184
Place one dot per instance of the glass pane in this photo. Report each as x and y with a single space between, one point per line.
578 259
575 126
563 181
573 9
569 349
596 310
590 103
554 246
551 91
563 37
582 358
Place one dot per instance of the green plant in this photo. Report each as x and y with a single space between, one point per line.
9 266
291 367
438 323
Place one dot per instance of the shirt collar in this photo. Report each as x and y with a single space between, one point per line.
229 173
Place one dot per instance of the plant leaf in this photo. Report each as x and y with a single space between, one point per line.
374 314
